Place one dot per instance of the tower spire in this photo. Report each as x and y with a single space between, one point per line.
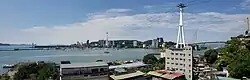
107 39
180 38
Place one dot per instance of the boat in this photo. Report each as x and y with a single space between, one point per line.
16 49
99 60
8 66
106 52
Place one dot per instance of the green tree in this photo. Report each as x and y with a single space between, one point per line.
211 56
41 71
237 56
150 59
162 60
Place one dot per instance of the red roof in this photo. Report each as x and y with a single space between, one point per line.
173 73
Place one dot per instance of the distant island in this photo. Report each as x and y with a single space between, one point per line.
3 44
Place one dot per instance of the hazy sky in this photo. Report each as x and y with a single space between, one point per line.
68 21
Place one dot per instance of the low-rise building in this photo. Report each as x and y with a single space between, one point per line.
138 75
166 75
81 71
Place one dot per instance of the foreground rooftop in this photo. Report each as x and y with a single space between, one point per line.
78 65
165 74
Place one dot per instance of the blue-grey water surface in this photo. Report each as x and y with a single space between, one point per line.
73 55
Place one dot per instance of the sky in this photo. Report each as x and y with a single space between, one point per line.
69 21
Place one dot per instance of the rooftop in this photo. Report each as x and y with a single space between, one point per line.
226 78
126 76
135 64
165 74
78 65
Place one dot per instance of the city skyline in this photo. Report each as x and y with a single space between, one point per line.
66 22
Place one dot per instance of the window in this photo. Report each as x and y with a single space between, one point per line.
189 70
172 63
176 69
184 65
183 70
180 64
176 53
176 63
189 59
189 65
172 53
183 59
183 54
189 54
180 54
180 58
172 58
168 68
180 69
189 76
167 62
167 57
176 58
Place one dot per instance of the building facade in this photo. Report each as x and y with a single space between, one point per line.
180 60
84 71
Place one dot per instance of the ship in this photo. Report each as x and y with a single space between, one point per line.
8 66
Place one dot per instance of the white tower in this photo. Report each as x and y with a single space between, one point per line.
107 40
180 38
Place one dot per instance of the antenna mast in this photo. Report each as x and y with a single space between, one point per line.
180 38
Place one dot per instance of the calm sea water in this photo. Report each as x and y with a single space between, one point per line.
73 55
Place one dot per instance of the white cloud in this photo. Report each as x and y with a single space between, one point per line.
245 4
123 26
118 10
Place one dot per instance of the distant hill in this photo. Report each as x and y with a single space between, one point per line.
3 44
6 44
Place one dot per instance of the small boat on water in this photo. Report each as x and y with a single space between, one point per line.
8 66
106 52
99 60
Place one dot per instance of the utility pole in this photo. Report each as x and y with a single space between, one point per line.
180 38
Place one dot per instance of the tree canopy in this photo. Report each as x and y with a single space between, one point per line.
150 59
35 71
211 56
237 56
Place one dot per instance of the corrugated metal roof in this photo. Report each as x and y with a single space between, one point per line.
135 64
77 65
126 76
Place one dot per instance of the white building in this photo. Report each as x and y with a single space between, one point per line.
154 43
84 71
180 60
135 43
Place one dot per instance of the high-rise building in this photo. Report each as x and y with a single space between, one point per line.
154 43
135 43
180 58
